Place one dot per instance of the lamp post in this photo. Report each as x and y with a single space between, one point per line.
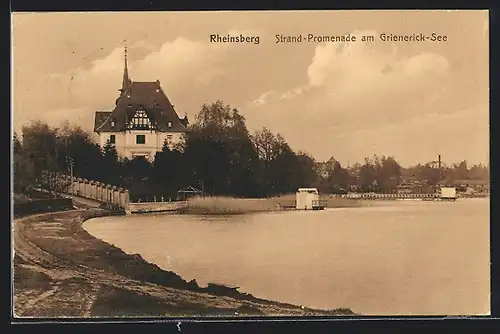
54 163
112 195
71 162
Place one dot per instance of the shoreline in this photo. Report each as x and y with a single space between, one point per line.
60 270
221 205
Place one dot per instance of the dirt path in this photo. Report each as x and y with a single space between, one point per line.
60 270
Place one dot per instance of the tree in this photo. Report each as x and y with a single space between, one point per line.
367 176
23 169
429 174
110 164
461 170
269 146
135 176
283 172
338 178
308 175
78 149
479 172
219 121
281 169
388 174
40 145
167 172
275 157
218 151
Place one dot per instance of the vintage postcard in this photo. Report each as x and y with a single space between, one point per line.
273 163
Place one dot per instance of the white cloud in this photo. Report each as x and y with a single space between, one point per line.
113 63
358 94
292 93
354 72
422 64
180 64
180 59
262 99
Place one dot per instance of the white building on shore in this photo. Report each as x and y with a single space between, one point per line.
142 120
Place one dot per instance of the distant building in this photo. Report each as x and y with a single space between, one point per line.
324 168
142 120
410 186
477 185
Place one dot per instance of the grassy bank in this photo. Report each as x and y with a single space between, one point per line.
228 205
60 270
231 205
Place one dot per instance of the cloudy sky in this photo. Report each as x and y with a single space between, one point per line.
409 100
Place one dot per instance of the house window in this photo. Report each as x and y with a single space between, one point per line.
169 139
140 121
112 123
140 139
169 124
112 139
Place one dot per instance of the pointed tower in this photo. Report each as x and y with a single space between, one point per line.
126 80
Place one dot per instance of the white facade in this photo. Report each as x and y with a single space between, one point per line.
127 144
448 193
306 198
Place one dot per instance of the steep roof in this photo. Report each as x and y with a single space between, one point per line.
100 118
148 96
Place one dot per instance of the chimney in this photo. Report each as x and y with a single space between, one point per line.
439 161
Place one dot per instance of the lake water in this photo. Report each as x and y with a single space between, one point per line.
394 258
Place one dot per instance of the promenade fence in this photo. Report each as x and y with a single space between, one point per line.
387 196
93 190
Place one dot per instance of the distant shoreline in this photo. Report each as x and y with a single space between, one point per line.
226 205
230 205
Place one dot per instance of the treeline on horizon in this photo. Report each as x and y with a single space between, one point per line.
219 156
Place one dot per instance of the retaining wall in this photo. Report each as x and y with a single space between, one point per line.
89 189
156 206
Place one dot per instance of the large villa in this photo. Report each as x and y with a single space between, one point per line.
142 121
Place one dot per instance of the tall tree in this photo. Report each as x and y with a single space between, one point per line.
23 169
167 172
40 144
338 178
218 150
135 174
461 170
307 175
388 174
78 150
110 164
479 172
429 174
368 176
275 157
